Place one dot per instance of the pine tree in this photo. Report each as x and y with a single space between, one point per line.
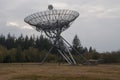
77 44
10 41
90 50
2 40
20 42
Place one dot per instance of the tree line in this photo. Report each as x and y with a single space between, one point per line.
25 42
34 49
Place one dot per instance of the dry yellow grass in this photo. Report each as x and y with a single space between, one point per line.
54 72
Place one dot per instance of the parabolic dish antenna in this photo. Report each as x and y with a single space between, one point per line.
52 19
53 22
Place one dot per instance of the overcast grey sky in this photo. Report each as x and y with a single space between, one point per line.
98 24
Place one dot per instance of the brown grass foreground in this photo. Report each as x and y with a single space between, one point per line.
36 71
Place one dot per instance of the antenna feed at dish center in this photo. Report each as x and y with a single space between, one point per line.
50 7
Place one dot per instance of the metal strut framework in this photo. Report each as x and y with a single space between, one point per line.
53 22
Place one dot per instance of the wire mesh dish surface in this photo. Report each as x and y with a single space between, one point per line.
51 20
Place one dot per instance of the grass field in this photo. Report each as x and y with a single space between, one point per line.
34 71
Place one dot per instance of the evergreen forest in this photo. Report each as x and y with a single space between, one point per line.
34 49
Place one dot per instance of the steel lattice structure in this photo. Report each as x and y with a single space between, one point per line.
53 22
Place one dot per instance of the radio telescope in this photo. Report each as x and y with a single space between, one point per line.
53 22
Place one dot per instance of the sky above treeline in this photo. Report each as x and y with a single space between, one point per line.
98 24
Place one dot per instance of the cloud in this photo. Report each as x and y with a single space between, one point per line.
110 13
27 27
98 23
99 11
59 4
16 24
